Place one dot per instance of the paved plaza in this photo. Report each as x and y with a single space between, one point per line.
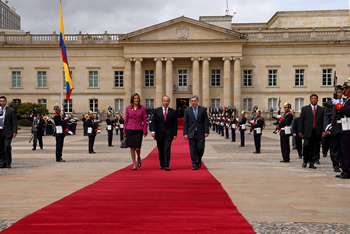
274 197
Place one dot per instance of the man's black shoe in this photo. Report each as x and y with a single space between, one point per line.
336 169
338 176
194 168
8 166
241 146
304 165
318 162
93 152
284 161
167 169
60 160
199 164
312 167
161 168
325 155
33 149
344 177
256 152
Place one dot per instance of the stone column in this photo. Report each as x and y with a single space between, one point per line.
169 81
206 83
237 84
127 82
195 78
227 82
159 82
138 77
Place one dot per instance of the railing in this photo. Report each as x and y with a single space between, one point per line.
183 88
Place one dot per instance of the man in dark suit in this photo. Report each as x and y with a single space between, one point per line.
311 129
92 131
164 131
39 126
196 129
298 139
8 130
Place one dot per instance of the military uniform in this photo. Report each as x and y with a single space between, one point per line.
110 128
227 127
92 131
257 127
284 126
60 131
234 123
242 127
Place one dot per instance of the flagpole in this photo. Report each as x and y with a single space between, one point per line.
61 64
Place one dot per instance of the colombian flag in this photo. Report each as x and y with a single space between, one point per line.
65 59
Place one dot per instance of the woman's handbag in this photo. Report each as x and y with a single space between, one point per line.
123 143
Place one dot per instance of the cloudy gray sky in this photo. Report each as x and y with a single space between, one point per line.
123 16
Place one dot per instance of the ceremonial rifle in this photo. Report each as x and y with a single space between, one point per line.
278 113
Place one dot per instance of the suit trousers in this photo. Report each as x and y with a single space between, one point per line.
197 145
164 148
91 143
233 134
344 154
59 146
311 148
242 138
39 138
121 134
285 147
334 150
5 150
299 145
226 132
257 142
110 137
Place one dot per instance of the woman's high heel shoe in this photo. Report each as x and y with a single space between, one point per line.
134 168
139 163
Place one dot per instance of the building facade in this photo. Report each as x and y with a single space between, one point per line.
291 56
9 19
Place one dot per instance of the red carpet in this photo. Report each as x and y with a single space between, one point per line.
180 123
147 200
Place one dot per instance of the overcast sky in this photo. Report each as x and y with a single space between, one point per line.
124 16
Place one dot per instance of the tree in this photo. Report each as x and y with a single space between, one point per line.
26 109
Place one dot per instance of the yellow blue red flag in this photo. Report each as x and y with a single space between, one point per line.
68 77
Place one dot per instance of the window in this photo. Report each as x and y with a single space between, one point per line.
272 103
42 79
327 77
215 78
94 105
16 79
119 105
149 103
247 78
182 75
93 79
43 102
299 103
68 106
247 104
64 79
149 78
299 77
118 79
17 101
215 103
326 99
272 78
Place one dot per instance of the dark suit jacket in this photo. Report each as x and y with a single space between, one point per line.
190 122
91 124
295 127
169 126
306 121
40 127
10 124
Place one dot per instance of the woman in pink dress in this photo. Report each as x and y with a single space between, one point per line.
135 125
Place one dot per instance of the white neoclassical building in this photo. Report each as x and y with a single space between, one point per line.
291 56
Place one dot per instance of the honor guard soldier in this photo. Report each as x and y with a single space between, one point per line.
344 136
216 123
332 127
85 117
284 127
91 131
219 124
223 119
234 123
116 124
242 127
227 125
60 131
257 126
49 123
212 119
121 126
110 128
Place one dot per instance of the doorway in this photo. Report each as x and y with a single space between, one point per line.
181 105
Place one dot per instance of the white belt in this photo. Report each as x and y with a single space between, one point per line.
339 121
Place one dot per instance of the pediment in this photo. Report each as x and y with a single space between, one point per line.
182 29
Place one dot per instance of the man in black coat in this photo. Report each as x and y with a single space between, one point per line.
257 127
284 126
8 130
298 139
60 132
196 129
242 127
39 125
110 128
311 129
164 131
92 131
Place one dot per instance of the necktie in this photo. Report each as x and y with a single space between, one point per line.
165 114
195 113
314 113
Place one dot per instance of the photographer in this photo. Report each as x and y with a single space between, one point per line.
38 128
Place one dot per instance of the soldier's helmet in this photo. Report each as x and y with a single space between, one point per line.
56 107
287 104
90 112
243 112
258 111
347 84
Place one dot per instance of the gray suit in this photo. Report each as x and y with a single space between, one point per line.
196 129
6 134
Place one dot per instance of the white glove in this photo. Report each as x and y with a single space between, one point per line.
278 116
252 121
329 127
65 118
70 132
98 131
335 101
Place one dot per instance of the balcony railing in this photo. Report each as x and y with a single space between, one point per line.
187 88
